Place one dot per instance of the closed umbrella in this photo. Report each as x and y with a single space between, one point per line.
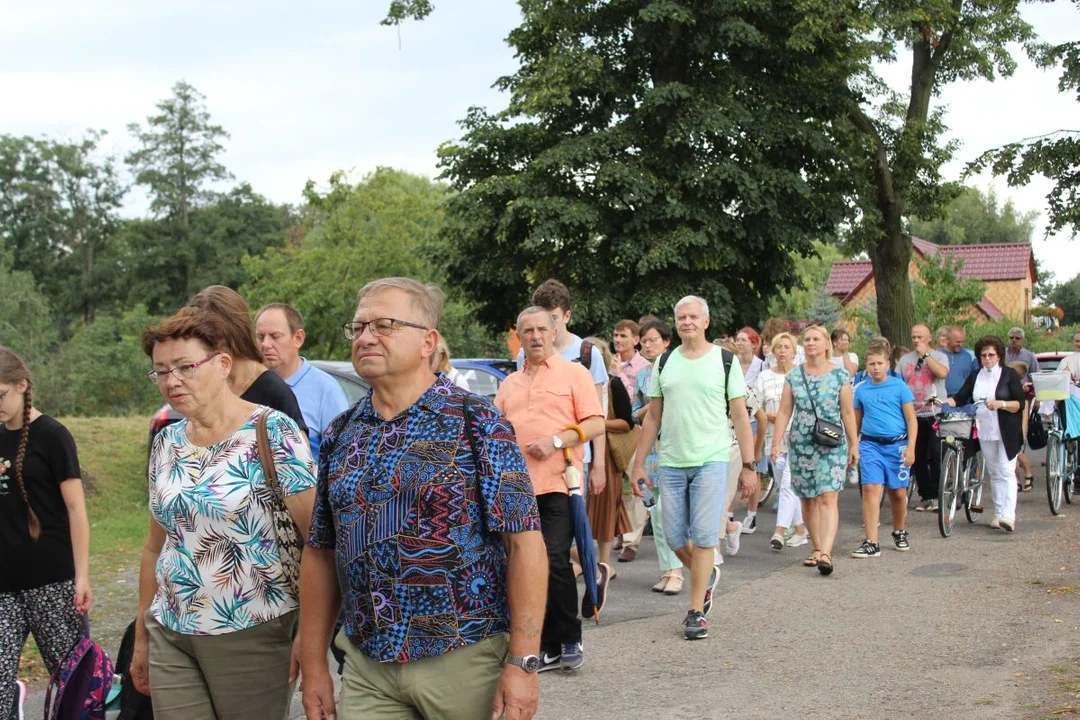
583 536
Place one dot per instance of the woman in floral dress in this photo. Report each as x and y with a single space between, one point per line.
217 613
818 472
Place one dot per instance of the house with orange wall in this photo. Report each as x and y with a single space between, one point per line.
1007 270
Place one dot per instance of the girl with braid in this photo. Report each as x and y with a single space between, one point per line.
44 534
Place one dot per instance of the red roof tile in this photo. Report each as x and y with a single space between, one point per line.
998 261
990 309
845 277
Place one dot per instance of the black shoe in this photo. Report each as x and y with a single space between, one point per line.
695 626
867 550
900 540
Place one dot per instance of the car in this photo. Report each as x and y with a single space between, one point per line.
484 375
1050 360
355 387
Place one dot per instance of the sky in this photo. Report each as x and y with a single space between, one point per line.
305 89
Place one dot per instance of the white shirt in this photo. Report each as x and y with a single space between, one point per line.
1072 364
986 420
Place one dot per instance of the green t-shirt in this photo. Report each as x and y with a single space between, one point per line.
695 422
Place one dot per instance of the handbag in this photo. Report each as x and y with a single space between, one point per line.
622 446
825 433
290 544
1036 434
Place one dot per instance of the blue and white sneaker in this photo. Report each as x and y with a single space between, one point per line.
573 656
713 579
550 662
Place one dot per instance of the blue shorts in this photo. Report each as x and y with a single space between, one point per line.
883 464
692 500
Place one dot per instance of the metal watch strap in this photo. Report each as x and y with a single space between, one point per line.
522 661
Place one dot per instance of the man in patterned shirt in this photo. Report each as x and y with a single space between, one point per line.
426 518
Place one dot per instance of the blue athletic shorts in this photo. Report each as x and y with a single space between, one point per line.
883 464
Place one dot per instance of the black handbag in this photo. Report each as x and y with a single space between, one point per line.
1036 435
825 433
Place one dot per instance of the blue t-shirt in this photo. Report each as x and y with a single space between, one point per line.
321 400
573 354
961 364
882 405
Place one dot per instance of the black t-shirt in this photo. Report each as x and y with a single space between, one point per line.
273 392
50 460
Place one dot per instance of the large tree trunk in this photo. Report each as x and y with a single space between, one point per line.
891 258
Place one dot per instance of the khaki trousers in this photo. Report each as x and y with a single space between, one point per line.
458 685
236 676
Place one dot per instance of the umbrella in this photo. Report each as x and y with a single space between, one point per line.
582 534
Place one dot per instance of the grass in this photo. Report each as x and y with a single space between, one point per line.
112 453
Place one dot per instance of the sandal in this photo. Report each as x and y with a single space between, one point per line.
659 587
674 585
811 559
824 566
1029 482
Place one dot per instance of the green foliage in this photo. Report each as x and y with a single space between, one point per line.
26 324
1035 339
647 153
385 225
402 10
975 217
1067 297
824 308
811 273
101 370
941 296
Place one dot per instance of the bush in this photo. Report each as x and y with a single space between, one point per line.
1037 339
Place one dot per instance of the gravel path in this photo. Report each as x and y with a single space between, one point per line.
966 627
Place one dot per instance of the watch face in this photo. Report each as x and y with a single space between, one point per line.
530 663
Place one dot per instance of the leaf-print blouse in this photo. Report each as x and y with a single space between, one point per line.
219 570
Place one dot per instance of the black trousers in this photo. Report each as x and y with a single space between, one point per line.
927 466
561 622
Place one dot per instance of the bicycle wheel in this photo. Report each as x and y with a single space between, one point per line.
768 483
1055 460
1072 460
976 476
949 484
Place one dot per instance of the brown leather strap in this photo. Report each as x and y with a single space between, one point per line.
266 456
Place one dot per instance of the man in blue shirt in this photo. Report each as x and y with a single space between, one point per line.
961 360
279 328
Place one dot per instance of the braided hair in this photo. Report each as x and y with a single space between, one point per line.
13 371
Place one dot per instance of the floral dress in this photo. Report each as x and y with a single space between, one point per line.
816 469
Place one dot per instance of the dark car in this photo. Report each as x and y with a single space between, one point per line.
484 375
354 386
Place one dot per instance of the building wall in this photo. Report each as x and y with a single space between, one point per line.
1012 297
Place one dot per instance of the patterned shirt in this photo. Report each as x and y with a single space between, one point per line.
219 570
413 513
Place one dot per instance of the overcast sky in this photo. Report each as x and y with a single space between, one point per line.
309 88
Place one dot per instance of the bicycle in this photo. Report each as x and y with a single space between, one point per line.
961 476
1062 458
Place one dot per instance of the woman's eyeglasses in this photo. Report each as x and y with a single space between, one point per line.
180 372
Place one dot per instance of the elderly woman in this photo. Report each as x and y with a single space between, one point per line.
818 390
217 608
1000 421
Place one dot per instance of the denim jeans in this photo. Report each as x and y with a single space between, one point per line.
692 500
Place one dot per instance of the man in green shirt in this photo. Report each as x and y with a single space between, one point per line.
692 398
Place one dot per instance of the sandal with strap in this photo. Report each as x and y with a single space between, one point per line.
811 559
824 566
1029 482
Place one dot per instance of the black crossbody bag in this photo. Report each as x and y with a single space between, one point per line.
825 433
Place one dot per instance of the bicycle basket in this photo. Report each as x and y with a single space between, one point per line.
1051 385
959 426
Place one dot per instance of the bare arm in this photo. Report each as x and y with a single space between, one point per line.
783 417
940 370
299 507
616 425
650 430
858 420
320 602
749 481
518 692
140 662
847 413
851 367
75 502
912 423
762 429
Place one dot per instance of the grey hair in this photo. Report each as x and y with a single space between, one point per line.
1020 330
693 298
534 310
426 299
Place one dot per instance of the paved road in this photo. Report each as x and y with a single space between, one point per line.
967 614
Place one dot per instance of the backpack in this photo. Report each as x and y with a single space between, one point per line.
726 356
133 705
80 686
585 357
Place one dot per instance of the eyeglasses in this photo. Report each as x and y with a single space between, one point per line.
180 372
380 327
988 355
1015 337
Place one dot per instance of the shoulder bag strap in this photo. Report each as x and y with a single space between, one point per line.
266 456
809 394
727 357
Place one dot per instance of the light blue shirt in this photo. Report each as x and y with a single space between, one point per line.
320 397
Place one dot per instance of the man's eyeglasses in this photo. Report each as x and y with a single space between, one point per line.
180 372
1015 337
380 327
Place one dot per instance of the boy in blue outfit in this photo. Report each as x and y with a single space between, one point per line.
885 419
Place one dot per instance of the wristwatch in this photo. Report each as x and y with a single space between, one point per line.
529 663
557 442
748 466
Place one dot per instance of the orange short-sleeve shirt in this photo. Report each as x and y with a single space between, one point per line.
561 394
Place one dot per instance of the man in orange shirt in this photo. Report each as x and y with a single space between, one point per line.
543 401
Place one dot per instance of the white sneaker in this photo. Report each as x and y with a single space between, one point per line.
797 540
21 699
777 541
717 558
995 524
749 525
1007 523
731 539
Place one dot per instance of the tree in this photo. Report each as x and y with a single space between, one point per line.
812 273
1055 155
941 296
26 324
974 217
824 308
650 149
896 150
402 10
385 225
178 163
1067 297
59 206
